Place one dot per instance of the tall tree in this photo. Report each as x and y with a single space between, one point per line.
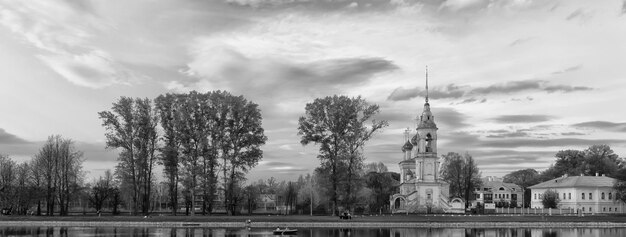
462 173
596 159
169 107
337 124
240 143
131 126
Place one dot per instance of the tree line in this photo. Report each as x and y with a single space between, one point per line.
207 139
47 181
597 159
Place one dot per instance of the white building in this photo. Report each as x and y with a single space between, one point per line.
494 190
421 188
589 194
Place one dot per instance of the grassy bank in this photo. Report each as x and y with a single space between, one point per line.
325 219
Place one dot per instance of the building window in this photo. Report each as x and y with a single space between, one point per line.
507 196
610 196
535 196
604 209
583 208
610 208
602 197
569 195
563 196
583 199
590 197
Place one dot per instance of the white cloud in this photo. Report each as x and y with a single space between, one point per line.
63 35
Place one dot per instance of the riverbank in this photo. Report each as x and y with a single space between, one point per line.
303 221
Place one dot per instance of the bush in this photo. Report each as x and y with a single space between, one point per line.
550 199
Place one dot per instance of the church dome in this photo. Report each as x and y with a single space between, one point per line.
407 146
414 140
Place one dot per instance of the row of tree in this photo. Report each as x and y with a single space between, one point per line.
597 159
206 138
50 178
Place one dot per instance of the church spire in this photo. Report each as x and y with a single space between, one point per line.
426 83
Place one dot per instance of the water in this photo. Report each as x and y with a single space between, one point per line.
306 232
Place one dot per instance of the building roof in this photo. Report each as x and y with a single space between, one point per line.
495 185
576 181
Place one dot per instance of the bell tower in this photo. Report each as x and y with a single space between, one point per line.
426 153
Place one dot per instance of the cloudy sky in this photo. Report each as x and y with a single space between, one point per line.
511 81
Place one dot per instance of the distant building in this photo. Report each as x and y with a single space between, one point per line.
494 190
421 187
589 194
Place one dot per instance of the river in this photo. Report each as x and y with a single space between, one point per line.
308 232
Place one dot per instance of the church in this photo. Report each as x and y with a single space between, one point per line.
421 188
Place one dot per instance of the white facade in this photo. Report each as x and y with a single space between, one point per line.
587 194
421 188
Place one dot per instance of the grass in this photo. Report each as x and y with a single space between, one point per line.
320 219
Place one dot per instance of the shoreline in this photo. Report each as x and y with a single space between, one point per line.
547 224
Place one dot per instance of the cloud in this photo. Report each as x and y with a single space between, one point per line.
623 7
522 118
519 86
62 32
603 125
447 92
520 41
10 139
569 69
580 14
452 91
572 134
314 4
224 68
557 142
509 134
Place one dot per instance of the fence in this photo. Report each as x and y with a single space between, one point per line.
537 211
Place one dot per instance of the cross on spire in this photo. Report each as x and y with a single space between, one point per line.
426 83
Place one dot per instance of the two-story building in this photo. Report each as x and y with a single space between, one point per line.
588 194
494 190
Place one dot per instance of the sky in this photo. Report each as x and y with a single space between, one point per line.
511 82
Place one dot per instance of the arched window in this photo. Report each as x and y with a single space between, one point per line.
590 197
429 138
610 196
602 197
583 198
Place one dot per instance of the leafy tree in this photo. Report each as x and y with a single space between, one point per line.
462 173
523 178
168 107
239 141
337 124
131 126
550 199
595 159
378 167
382 185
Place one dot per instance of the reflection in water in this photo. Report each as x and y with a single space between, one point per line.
306 232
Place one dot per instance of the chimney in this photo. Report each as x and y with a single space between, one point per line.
597 174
